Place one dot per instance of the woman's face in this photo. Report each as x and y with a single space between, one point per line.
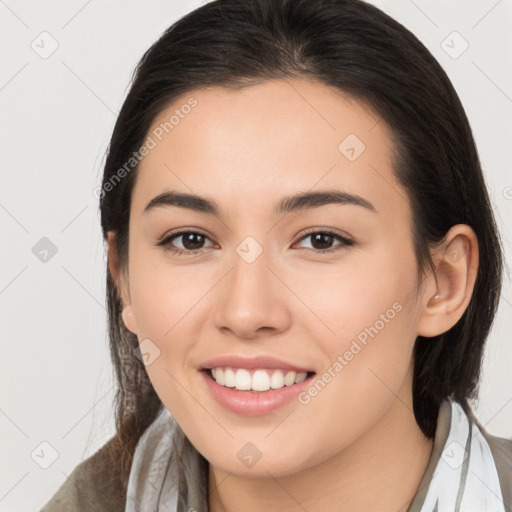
265 282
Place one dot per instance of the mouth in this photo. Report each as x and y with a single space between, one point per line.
256 380
256 392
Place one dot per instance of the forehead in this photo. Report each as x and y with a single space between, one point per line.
259 143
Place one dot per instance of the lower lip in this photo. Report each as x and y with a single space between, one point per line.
253 403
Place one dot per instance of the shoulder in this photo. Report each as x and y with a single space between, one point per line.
501 449
93 486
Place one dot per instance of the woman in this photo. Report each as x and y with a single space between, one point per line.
303 267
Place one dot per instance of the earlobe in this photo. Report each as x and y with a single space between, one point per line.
129 319
451 288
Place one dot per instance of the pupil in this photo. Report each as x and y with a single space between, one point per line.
322 237
188 240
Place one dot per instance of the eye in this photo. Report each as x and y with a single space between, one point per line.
322 241
192 242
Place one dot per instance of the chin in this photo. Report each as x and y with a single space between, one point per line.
254 463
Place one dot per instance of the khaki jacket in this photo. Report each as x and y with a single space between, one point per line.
93 487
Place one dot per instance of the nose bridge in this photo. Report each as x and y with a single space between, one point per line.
250 267
250 299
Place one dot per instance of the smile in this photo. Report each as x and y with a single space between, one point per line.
255 402
259 380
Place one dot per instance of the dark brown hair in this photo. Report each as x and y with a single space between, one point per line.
356 48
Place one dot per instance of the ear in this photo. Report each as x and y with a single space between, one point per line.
120 279
448 291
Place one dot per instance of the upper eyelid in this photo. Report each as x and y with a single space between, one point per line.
181 231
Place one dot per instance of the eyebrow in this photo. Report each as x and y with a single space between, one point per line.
300 201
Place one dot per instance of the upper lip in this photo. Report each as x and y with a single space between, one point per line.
252 363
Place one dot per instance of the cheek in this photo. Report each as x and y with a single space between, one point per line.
361 291
364 323
166 301
163 294
165 304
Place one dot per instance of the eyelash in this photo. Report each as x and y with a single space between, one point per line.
165 242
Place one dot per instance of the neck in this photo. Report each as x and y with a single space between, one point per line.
381 471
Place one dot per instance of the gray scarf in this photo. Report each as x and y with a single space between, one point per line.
462 476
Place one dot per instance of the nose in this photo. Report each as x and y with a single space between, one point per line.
251 300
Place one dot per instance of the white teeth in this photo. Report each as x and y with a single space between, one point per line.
300 377
219 376
277 380
229 378
242 380
289 378
260 380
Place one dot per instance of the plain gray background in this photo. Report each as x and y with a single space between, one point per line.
65 70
